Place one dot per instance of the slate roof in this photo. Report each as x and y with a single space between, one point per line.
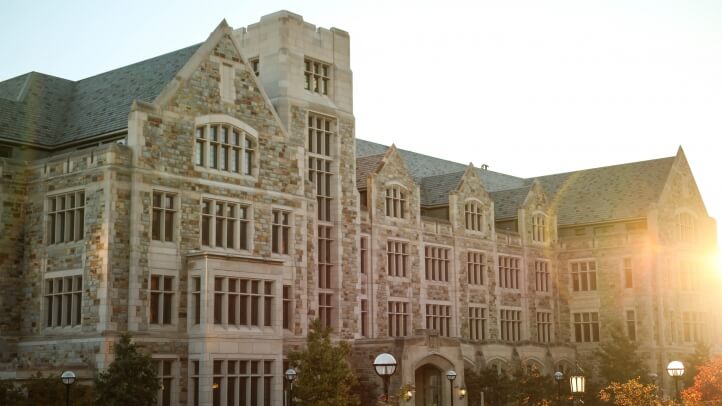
435 189
47 110
421 166
608 193
364 167
507 202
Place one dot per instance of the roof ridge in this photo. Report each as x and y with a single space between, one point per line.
600 167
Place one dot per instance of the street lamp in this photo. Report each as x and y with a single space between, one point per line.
385 366
559 376
576 382
68 378
451 375
675 369
462 392
290 377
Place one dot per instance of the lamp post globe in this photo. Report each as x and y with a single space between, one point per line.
68 378
675 369
451 375
385 366
290 376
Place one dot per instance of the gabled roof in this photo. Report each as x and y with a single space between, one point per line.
364 167
609 193
421 166
435 190
507 202
61 111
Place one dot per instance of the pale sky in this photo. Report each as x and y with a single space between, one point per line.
528 87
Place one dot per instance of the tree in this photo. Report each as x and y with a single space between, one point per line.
617 358
631 393
130 379
532 388
707 385
43 390
693 362
10 394
324 375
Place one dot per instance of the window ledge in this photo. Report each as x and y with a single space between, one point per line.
229 174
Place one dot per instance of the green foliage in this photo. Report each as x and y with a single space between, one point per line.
324 375
618 360
532 388
10 394
693 362
633 393
130 379
44 390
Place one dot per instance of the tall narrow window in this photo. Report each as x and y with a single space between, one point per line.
161 299
693 327
685 227
196 298
544 326
475 267
398 319
509 272
364 318
281 230
66 217
164 373
477 323
194 368
437 264
473 216
364 251
397 258
631 325
541 271
438 317
586 327
224 224
240 302
63 301
317 76
164 210
244 382
584 276
539 228
395 202
325 266
510 321
287 307
255 65
628 275
325 309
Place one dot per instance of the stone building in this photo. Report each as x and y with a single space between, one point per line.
213 200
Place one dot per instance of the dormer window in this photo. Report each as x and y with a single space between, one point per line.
395 202
225 148
473 216
539 228
685 227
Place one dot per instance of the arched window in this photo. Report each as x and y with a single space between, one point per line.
539 228
473 216
225 147
533 368
395 201
685 227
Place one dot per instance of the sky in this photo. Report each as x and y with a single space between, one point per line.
527 87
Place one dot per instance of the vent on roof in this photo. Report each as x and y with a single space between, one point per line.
484 167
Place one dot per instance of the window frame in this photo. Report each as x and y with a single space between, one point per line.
161 303
540 228
478 321
281 232
55 227
163 210
233 126
513 270
580 332
474 216
54 300
476 268
396 201
403 255
589 275
510 329
247 221
312 76
438 264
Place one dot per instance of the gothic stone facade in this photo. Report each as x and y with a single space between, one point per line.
213 200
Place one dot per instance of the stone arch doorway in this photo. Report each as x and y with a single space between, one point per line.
432 387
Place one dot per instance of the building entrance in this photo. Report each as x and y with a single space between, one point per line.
428 386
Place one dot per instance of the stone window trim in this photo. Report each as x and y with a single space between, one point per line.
65 216
201 146
478 320
398 258
685 226
167 372
63 300
364 257
630 318
627 273
509 272
474 215
693 327
287 316
281 231
439 315
194 381
585 326
544 326
157 285
539 228
321 139
438 264
476 268
161 211
399 317
396 201
255 64
241 303
583 275
364 326
196 300
317 76
510 324
254 374
542 276
241 207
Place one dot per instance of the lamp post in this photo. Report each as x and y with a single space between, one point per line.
385 366
558 376
577 382
675 369
68 378
451 375
290 377
462 392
